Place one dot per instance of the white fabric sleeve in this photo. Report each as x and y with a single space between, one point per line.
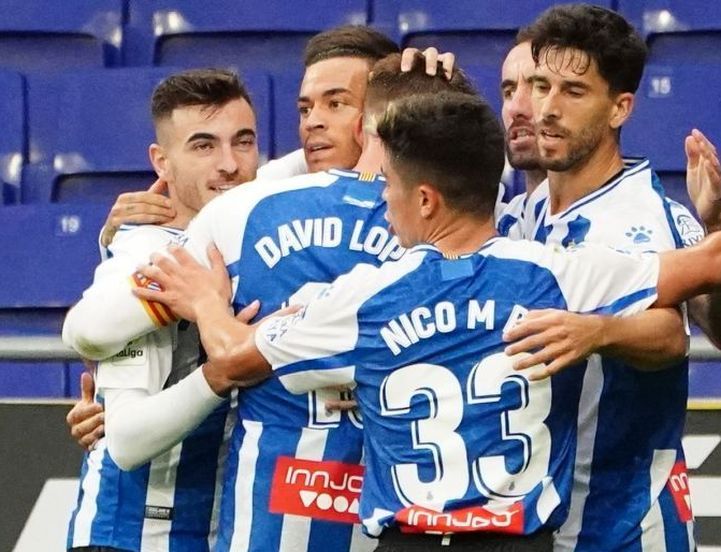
140 426
291 164
108 316
597 279
307 349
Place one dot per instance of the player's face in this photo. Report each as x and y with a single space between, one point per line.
400 214
330 104
517 111
208 150
572 107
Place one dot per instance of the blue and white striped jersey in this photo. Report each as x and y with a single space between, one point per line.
292 478
171 503
455 439
629 459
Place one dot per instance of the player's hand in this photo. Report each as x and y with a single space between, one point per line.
703 178
86 420
185 283
556 340
344 402
410 56
148 207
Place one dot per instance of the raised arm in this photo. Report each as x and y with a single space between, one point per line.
146 207
703 180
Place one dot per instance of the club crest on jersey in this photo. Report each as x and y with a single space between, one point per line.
320 490
689 229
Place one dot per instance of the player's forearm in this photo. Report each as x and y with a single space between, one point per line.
650 340
230 346
104 321
686 273
139 426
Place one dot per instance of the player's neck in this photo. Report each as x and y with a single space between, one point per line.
587 176
371 157
461 235
533 179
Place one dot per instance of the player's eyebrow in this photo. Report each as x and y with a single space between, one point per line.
327 93
243 132
201 136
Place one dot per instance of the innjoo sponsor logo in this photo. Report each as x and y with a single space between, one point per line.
679 487
416 519
321 490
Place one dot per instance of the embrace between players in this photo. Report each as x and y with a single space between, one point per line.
465 440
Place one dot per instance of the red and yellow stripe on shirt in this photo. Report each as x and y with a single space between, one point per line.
158 313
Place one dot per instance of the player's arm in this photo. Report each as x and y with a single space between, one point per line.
108 315
650 340
241 354
703 180
140 425
201 295
146 207
591 276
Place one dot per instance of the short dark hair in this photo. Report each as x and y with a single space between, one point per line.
604 35
357 41
451 140
211 87
387 82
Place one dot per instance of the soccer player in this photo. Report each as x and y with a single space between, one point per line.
589 63
458 444
206 144
288 457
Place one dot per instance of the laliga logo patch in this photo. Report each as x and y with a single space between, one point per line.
321 490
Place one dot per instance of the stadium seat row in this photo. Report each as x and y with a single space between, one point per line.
42 34
83 135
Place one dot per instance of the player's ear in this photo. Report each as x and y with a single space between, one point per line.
622 108
428 200
159 160
358 131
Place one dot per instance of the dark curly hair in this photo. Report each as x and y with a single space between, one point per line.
603 35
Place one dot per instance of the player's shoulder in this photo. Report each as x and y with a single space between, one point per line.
143 238
246 196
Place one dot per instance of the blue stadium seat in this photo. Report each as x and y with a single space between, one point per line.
487 81
46 35
285 110
243 33
671 100
49 254
13 139
89 132
677 31
478 31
